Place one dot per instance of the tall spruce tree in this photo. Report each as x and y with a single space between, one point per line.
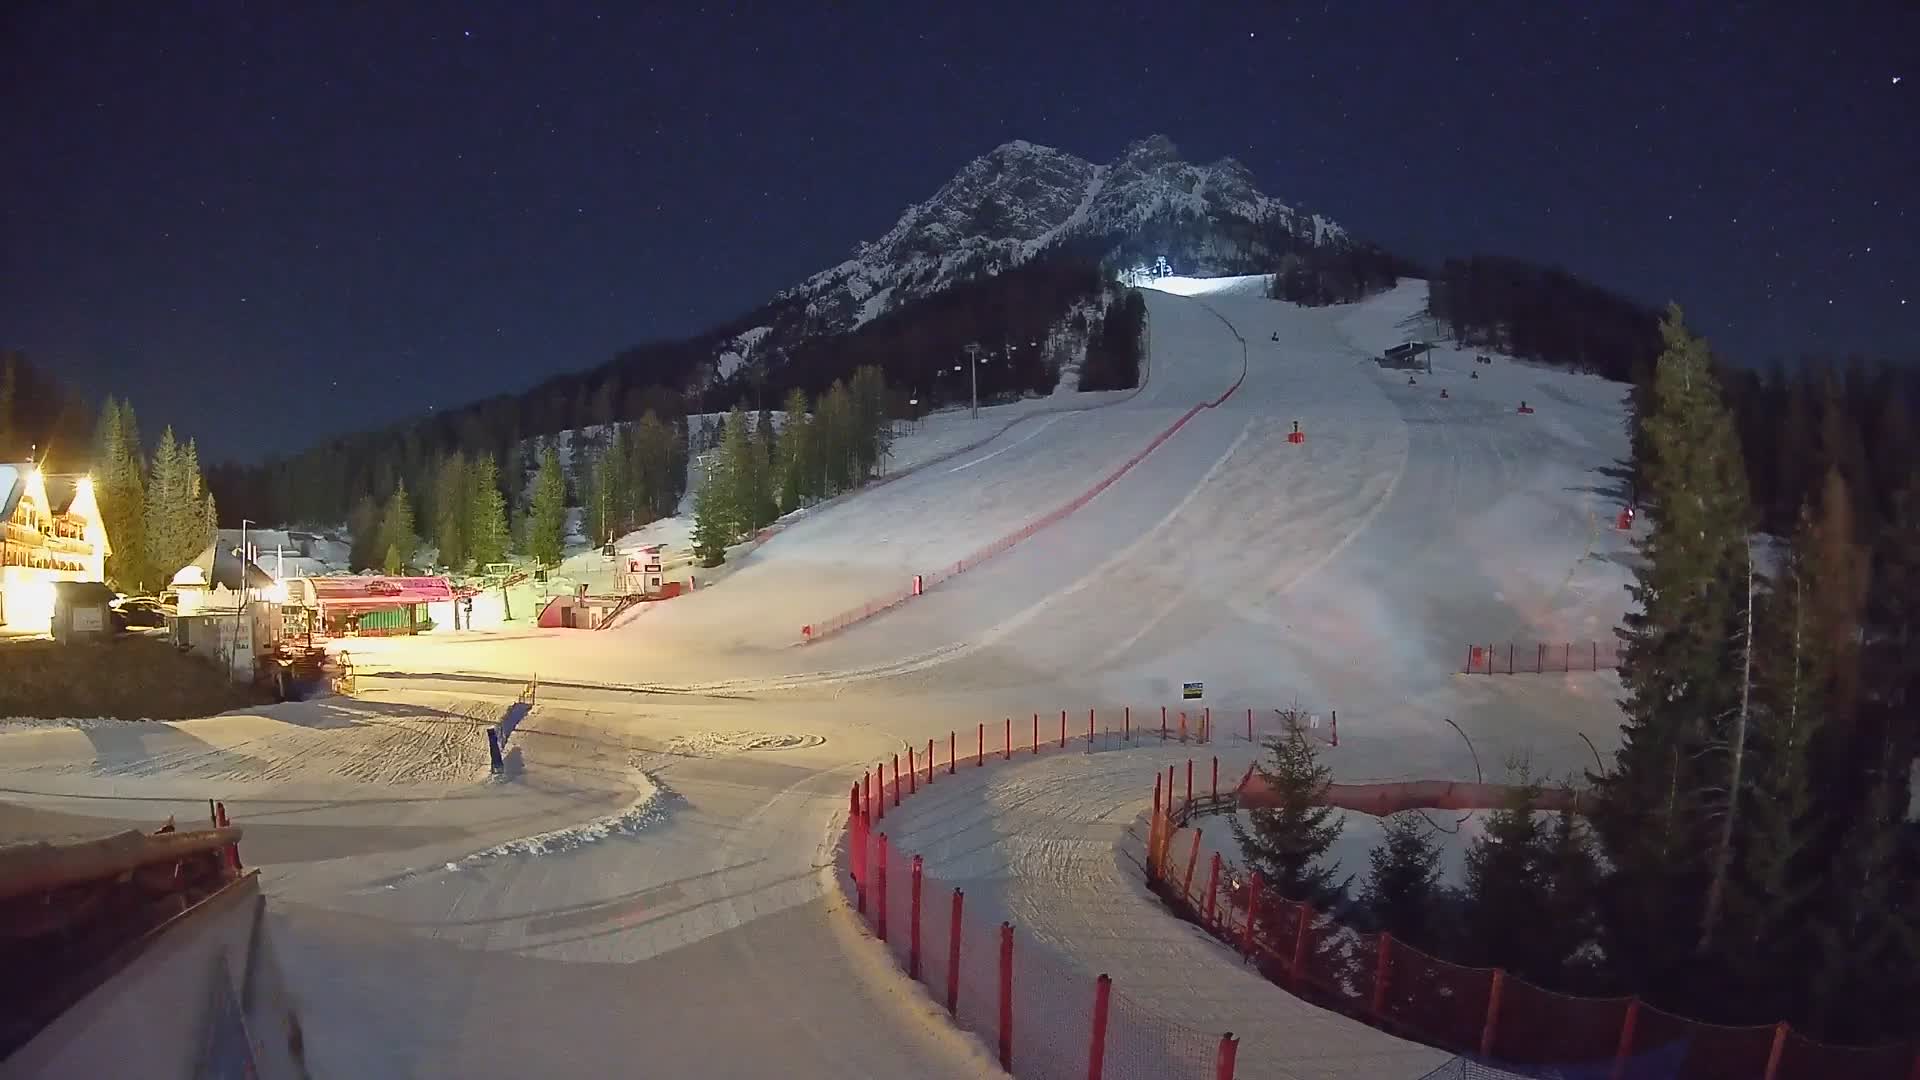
655 459
796 452
547 519
451 511
1287 841
1653 817
1509 906
486 529
363 530
122 497
740 503
398 541
710 537
174 520
766 506
1403 885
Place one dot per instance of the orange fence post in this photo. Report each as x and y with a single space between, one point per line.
1493 1012
1213 886
1206 724
929 761
953 956
1193 860
1253 912
1009 751
1297 971
1625 1048
1382 966
953 751
980 755
1153 826
913 932
866 782
1183 725
1097 1051
1216 776
1063 729
880 887
1566 662
1249 725
1596 655
881 771
1036 733
896 779
1779 1050
1223 1060
1333 725
1189 802
913 773
1090 729
1163 723
1126 722
1006 996
853 804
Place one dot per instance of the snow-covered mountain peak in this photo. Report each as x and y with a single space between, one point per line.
1021 198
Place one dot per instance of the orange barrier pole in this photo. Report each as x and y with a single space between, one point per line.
1223 1060
913 773
1193 860
1382 966
1779 1050
1493 1012
1625 1048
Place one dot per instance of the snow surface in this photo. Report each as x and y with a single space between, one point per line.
1348 573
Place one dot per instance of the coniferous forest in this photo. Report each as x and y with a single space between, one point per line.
1752 855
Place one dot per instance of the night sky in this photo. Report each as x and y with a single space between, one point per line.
267 227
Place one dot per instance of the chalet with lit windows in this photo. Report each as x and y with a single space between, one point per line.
52 533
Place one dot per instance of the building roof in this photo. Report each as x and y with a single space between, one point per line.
368 589
220 565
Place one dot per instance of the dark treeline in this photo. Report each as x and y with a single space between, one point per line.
1029 321
38 415
1750 857
1338 274
1544 314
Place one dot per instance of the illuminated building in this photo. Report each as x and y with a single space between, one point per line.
52 533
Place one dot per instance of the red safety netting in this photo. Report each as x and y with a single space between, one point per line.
1713 1051
1539 657
1541 1025
1435 1001
1803 1059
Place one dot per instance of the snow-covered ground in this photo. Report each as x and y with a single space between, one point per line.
1348 572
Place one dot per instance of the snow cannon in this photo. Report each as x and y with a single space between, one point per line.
1443 393
1411 382
1295 437
1525 408
806 632
1473 374
1625 520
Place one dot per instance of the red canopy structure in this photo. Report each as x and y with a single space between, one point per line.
371 593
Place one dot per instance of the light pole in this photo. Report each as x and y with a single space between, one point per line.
973 368
240 602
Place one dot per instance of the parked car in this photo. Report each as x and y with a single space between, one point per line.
139 612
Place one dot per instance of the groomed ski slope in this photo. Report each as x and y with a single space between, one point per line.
684 771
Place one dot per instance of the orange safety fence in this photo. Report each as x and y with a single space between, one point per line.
1039 1014
1540 657
1520 1028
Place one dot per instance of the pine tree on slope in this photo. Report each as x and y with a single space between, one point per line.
1403 886
547 520
398 542
1286 842
122 496
1682 686
796 452
709 526
486 529
451 511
